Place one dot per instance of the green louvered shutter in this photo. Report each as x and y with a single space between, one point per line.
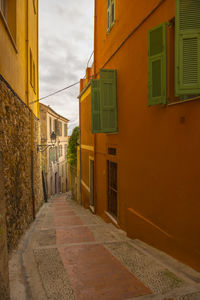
108 100
157 85
95 105
187 47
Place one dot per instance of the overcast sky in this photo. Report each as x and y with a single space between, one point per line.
65 45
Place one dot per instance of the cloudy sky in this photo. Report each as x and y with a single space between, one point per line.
65 45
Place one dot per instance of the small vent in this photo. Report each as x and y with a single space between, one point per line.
190 61
189 14
112 151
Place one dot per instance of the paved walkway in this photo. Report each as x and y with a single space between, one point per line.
69 253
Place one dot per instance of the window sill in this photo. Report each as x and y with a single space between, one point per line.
183 101
8 31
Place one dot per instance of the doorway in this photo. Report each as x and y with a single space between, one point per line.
91 182
56 183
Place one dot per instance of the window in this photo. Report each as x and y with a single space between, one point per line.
65 149
58 128
112 188
180 54
50 126
65 129
157 65
52 155
110 14
187 34
62 170
55 126
104 102
60 150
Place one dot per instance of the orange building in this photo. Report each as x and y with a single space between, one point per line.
140 123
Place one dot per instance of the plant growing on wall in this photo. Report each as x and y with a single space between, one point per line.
72 147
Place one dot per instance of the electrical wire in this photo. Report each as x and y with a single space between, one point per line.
54 93
59 91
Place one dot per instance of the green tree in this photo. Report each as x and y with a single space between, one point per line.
72 147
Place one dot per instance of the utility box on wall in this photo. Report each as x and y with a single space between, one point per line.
4 277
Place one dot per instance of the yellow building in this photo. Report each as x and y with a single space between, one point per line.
19 118
54 159
19 48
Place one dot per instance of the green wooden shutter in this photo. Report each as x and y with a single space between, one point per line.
108 15
108 100
157 77
187 47
95 105
61 128
56 127
112 13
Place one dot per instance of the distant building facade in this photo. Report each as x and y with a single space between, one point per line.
54 159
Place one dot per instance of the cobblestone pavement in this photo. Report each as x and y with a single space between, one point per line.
70 253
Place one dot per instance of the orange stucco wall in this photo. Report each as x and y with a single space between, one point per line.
87 145
157 147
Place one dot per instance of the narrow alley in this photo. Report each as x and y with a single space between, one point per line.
70 253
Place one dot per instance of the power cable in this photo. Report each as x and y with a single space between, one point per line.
54 93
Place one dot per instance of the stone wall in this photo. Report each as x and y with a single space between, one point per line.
4 278
17 145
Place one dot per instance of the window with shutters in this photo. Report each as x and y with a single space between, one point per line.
157 77
65 130
50 126
110 14
187 47
104 102
59 128
179 53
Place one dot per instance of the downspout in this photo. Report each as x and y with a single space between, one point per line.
31 113
37 14
32 166
95 75
80 149
27 56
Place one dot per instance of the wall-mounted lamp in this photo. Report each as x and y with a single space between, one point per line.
42 148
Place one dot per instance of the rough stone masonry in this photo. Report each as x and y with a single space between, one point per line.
4 278
19 168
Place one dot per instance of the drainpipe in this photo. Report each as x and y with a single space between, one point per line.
95 75
27 56
80 150
31 112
